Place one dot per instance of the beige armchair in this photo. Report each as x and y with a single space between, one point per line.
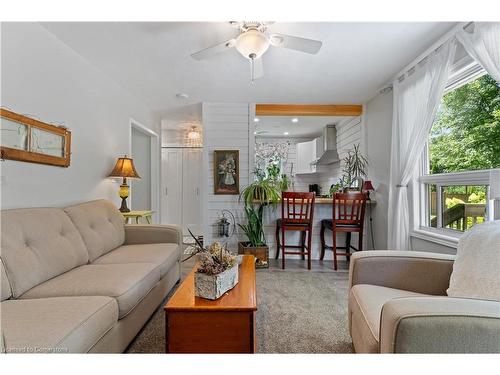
398 304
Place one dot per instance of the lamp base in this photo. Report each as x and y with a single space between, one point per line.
124 207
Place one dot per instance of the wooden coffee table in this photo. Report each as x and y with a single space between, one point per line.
226 325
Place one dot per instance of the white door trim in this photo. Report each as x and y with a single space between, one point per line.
155 164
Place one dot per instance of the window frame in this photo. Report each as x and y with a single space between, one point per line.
464 71
446 236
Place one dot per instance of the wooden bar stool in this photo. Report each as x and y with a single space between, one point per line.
297 210
348 216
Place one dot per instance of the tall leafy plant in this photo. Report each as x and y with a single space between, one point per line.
355 165
256 196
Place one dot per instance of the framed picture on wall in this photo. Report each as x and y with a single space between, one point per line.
25 139
226 172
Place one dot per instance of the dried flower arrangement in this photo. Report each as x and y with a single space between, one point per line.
215 260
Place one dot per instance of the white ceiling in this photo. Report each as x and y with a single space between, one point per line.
152 60
305 127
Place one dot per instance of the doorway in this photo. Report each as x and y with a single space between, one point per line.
144 149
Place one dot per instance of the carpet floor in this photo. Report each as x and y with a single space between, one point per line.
299 311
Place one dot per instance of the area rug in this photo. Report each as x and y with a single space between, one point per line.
298 312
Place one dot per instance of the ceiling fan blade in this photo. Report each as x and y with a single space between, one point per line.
258 68
214 50
294 42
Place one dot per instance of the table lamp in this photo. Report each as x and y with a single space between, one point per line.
367 186
124 167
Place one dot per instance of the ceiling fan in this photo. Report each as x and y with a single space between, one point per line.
253 41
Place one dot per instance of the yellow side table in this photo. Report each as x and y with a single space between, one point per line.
137 214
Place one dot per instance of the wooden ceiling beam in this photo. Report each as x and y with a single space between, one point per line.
308 109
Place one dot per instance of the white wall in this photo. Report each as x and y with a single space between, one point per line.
44 78
378 125
419 244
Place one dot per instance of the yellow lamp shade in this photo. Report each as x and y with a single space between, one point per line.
124 167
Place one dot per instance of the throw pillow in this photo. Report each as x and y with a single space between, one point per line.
476 270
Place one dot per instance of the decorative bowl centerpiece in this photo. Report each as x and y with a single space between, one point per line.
217 272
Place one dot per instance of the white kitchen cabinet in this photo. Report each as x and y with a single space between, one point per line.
306 154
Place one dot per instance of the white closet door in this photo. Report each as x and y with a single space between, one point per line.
191 201
171 186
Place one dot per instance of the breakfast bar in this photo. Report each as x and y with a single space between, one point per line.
322 210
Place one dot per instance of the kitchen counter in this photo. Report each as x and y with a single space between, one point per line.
322 200
322 210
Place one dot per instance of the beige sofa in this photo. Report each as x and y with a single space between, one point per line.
79 280
398 304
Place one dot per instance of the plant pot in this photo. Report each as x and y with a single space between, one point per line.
261 253
214 286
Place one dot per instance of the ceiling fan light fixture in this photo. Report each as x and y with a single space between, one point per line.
252 44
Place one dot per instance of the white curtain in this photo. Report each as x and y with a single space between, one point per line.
483 44
417 96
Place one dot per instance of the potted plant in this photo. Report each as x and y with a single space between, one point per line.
354 169
217 272
261 193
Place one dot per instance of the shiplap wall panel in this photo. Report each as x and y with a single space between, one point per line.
226 127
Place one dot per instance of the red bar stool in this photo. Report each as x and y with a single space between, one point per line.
297 210
348 213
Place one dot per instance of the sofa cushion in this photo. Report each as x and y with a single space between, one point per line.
6 291
475 270
127 283
164 255
365 304
100 224
38 244
56 325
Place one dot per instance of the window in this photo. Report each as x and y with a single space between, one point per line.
461 206
463 146
466 132
271 158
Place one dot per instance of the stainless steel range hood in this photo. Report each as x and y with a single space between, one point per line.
326 146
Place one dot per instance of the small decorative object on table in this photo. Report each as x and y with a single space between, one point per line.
217 272
367 187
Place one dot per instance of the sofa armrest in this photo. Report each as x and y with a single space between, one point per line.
440 325
145 234
420 272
